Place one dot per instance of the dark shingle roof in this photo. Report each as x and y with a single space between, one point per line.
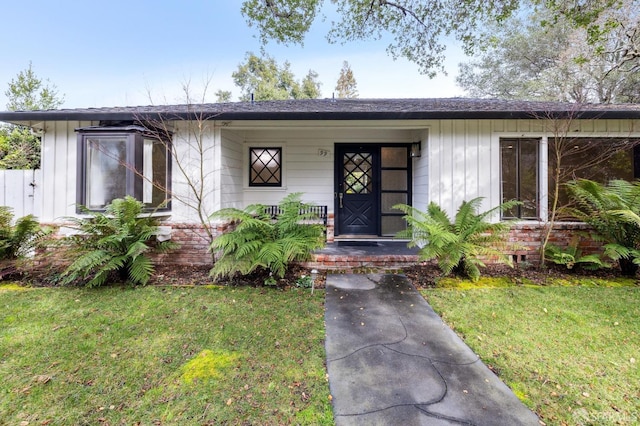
339 109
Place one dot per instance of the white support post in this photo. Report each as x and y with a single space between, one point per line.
543 179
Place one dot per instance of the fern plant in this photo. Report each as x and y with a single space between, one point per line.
457 246
613 211
571 257
114 242
17 240
263 240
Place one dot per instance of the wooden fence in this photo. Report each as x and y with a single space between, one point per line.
20 190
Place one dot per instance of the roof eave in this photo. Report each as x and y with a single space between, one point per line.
23 117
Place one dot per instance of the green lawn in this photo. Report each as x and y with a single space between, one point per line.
572 354
225 355
162 355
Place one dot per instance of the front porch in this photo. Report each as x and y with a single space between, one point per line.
352 254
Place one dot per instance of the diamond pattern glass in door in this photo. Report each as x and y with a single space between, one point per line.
357 195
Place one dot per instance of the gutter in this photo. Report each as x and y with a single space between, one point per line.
17 117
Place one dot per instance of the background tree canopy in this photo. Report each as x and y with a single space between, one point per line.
267 80
419 29
555 61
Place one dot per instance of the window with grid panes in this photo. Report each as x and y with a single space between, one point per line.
265 166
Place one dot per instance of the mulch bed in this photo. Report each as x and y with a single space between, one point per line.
421 275
427 275
199 275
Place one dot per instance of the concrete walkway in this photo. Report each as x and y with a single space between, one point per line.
392 361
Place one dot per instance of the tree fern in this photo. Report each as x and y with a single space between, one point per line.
262 241
18 241
113 244
459 245
613 211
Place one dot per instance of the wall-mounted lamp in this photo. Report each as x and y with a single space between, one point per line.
416 149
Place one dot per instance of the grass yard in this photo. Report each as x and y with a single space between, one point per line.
162 355
572 354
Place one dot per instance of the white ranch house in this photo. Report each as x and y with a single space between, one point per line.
358 157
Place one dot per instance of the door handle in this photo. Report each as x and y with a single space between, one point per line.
340 197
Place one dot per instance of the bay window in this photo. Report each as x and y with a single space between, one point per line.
114 162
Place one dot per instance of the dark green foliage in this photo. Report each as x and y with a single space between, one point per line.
263 79
262 241
113 242
571 257
17 240
28 92
613 211
19 148
457 246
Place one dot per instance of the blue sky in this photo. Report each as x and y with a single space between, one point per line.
138 52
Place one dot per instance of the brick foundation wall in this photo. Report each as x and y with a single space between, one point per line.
529 236
193 242
194 246
330 228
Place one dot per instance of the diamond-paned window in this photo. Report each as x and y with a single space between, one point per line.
358 170
265 166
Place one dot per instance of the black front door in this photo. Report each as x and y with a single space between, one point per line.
357 180
370 180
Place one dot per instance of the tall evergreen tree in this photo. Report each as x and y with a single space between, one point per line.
19 147
28 92
347 85
223 96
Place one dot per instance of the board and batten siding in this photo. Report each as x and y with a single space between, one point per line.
464 155
231 165
59 165
195 170
420 179
460 159
308 158
463 164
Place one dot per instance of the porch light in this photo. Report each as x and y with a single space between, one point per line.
416 149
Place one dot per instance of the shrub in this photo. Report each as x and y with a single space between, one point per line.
613 211
260 240
113 242
304 281
457 246
18 240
